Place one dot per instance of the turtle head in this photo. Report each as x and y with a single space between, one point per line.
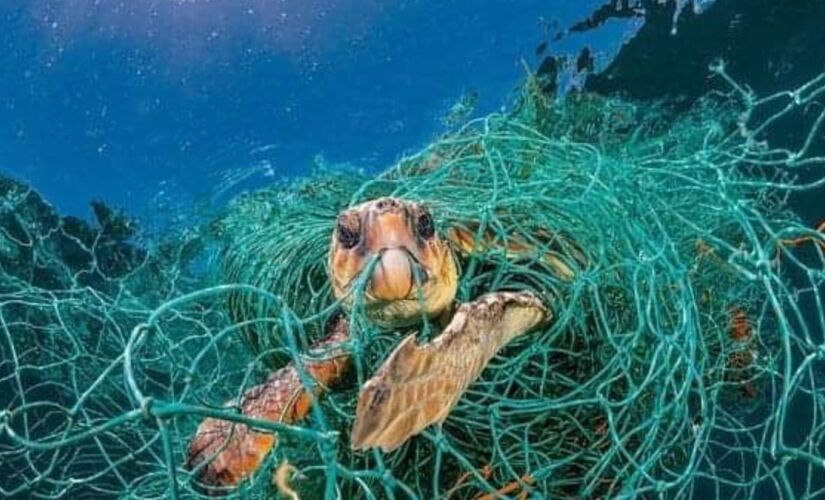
414 273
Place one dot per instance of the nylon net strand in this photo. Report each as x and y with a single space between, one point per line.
685 357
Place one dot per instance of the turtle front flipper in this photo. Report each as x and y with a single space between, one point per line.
418 385
224 453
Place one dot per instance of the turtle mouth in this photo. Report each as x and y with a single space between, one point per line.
396 276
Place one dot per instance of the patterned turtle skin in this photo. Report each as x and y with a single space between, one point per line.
413 275
418 385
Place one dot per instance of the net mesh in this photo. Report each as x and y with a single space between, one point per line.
685 356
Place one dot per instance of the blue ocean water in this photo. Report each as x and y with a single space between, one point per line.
148 104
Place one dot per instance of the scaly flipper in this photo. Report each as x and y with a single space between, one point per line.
226 453
418 385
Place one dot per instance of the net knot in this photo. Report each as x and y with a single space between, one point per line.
146 408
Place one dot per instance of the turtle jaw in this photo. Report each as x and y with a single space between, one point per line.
428 297
393 277
413 271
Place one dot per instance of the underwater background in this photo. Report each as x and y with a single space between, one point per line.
188 160
156 102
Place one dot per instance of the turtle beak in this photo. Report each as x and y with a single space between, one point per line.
393 277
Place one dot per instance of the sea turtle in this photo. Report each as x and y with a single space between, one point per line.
408 272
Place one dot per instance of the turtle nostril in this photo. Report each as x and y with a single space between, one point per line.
386 204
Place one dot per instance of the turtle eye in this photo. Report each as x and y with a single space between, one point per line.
347 236
425 226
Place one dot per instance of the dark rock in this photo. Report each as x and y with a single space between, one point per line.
39 248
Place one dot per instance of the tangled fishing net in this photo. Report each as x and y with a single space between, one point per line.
685 357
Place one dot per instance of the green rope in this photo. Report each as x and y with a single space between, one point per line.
685 357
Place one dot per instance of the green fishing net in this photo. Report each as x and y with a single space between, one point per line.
685 357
